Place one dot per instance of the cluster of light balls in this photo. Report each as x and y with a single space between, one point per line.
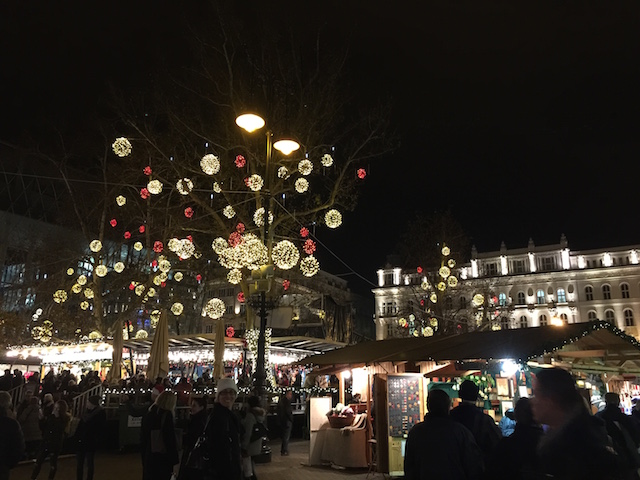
43 332
250 253
184 248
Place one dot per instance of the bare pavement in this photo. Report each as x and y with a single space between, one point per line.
125 466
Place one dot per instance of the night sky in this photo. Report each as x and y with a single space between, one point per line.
523 119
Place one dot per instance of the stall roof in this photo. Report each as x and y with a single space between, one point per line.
307 345
595 345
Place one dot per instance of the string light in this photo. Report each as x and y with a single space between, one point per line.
327 160
309 266
283 172
184 186
59 296
155 187
210 164
285 255
305 167
95 246
228 211
177 309
333 218
121 200
302 185
215 308
234 276
121 147
255 182
101 270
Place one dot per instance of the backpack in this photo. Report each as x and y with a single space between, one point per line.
623 444
259 431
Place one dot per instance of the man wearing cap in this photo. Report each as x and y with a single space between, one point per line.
223 435
90 429
482 426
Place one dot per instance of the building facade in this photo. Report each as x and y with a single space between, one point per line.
518 288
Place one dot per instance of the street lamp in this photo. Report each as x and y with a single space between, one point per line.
252 122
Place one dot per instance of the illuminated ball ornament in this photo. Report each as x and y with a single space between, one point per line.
258 217
210 164
219 245
173 244
162 276
139 290
309 246
76 288
235 239
82 280
234 276
230 332
142 228
144 193
240 161
433 298
70 271
95 335
154 316
215 308
118 267
304 232
101 270
309 266
446 251
142 334
138 246
151 292
286 284
84 305
305 167
158 246
88 293
478 300
121 147
164 265
60 296
95 246
177 309
184 186
255 182
442 286
216 187
362 173
283 172
427 331
154 187
444 272
229 211
452 281
147 170
127 235
240 297
121 201
451 263
333 218
302 185
113 222
178 276
188 212
285 255
186 249
327 160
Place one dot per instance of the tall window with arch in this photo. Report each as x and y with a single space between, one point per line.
562 296
588 293
505 323
624 290
524 322
610 316
628 318
606 292
502 299
541 297
544 321
592 315
521 298
564 317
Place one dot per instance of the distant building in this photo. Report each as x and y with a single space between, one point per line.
524 287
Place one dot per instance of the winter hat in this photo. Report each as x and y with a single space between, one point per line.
226 384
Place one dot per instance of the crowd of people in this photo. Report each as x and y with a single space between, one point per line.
554 435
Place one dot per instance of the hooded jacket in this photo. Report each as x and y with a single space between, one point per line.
254 415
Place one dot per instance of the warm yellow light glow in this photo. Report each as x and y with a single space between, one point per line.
70 271
121 147
333 218
76 288
88 293
60 296
285 255
557 322
137 246
250 122
327 160
286 146
446 251
184 186
210 164
452 281
305 167
84 305
101 270
164 265
283 172
142 334
255 182
234 276
95 245
478 300
155 187
228 211
119 267
177 308
139 290
444 272
215 308
178 276
121 201
309 266
302 185
82 280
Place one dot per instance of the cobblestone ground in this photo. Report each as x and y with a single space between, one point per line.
127 466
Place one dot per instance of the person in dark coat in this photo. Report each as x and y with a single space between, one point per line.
6 381
222 446
88 433
11 439
28 416
576 444
482 426
197 422
285 416
440 448
252 445
54 428
515 456
624 433
158 439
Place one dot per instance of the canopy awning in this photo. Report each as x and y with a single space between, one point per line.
589 346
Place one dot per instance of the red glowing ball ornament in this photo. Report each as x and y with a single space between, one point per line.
141 229
132 286
188 212
144 193
113 222
304 232
240 228
235 239
286 284
163 284
241 297
190 238
362 173
147 170
240 161
309 246
154 263
158 246
246 181
199 278
230 332
127 235
419 269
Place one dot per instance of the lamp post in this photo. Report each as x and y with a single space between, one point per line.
251 122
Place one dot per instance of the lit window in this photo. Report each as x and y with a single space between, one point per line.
624 289
593 315
610 316
606 292
541 297
502 299
588 291
628 318
562 296
564 317
543 321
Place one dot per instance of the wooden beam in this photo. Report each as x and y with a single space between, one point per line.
582 353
